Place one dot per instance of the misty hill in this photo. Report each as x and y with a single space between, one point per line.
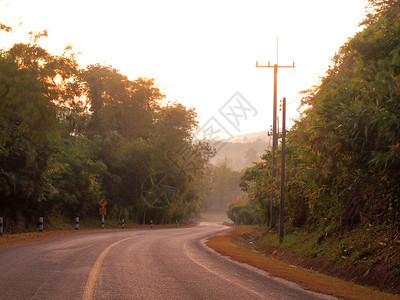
251 137
242 150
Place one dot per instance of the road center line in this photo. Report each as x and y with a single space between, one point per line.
94 273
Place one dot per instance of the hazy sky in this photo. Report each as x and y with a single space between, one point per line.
201 52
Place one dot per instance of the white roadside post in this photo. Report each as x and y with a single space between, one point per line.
76 223
102 211
151 223
1 226
123 223
41 224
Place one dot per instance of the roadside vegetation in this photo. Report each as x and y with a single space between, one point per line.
342 163
221 188
245 245
71 136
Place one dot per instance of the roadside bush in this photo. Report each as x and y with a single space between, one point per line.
241 212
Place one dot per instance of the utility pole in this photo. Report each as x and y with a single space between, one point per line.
274 133
282 202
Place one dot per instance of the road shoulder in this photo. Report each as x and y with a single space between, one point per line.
230 245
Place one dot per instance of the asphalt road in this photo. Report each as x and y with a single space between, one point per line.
136 264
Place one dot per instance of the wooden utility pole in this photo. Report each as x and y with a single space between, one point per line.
282 202
274 133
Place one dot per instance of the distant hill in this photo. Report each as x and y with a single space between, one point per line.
242 150
251 137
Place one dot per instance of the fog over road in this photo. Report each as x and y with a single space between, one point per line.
136 264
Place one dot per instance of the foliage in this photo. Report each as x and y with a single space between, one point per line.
222 186
256 182
242 213
71 136
343 158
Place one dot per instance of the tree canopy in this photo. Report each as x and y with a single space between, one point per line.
71 136
343 154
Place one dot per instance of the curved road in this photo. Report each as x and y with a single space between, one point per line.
136 264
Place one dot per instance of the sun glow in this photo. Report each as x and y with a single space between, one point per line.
201 53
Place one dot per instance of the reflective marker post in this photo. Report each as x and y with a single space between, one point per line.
1 226
102 211
41 224
123 224
151 223
77 223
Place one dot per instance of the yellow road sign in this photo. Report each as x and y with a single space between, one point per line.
103 202
102 211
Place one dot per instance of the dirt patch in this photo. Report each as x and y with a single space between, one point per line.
241 245
19 239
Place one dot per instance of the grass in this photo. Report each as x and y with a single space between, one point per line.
231 245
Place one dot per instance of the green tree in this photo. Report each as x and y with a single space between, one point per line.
28 121
71 136
223 186
343 152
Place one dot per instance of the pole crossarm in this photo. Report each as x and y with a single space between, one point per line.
272 66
